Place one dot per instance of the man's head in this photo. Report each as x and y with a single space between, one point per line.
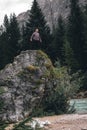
36 30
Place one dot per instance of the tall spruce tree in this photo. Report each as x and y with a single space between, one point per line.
6 23
4 42
76 35
24 39
14 36
84 81
9 40
85 46
59 41
37 20
69 57
1 52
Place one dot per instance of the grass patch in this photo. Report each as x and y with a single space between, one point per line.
1 101
22 125
3 125
38 82
32 68
41 54
2 90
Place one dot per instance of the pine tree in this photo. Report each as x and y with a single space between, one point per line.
1 53
59 41
84 81
85 46
4 42
24 42
76 32
9 40
14 36
37 20
69 57
6 23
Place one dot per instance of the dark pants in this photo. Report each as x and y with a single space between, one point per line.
35 45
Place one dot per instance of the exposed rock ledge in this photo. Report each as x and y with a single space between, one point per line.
23 83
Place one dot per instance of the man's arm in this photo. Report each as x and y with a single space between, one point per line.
31 37
40 38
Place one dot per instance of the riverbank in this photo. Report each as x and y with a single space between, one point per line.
64 122
81 95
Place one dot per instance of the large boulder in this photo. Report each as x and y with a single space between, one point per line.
23 83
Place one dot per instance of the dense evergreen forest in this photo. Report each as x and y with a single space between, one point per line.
67 43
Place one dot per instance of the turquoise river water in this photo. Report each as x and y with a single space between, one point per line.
80 105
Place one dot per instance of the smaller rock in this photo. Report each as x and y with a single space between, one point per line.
40 124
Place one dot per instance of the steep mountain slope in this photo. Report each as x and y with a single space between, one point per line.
52 9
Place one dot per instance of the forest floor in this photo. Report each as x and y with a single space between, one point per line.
64 122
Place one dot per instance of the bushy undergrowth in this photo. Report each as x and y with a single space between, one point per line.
84 82
1 101
53 103
56 100
3 125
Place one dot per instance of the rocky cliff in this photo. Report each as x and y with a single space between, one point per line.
23 83
52 9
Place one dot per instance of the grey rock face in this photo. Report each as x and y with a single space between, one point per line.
52 9
22 84
22 18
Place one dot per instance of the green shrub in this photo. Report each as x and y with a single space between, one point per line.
1 100
55 102
2 90
3 125
38 112
84 82
1 106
